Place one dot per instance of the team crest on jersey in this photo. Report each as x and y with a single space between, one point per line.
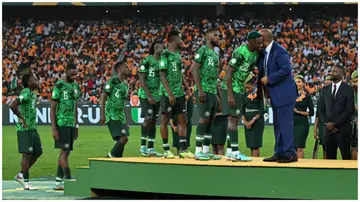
31 149
207 113
233 61
169 109
197 56
123 131
21 97
238 111
142 67
150 111
75 91
107 86
162 64
67 145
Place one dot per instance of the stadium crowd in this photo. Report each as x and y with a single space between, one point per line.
47 47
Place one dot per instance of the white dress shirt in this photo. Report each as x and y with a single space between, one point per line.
267 50
337 87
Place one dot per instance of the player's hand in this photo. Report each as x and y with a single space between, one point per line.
175 129
264 80
151 100
231 101
23 123
330 126
202 97
334 130
172 100
187 94
247 124
55 134
316 135
76 134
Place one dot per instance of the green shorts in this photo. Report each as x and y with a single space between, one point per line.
226 109
29 142
149 110
206 110
66 138
178 108
219 130
117 129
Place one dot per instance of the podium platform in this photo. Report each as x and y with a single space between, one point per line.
159 178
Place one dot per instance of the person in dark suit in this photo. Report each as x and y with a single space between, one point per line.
336 108
275 76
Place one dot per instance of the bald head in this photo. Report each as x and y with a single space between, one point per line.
267 36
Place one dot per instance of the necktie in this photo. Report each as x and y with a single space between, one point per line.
333 94
265 65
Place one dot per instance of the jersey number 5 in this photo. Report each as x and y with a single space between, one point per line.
151 72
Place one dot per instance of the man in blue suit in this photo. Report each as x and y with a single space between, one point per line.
275 77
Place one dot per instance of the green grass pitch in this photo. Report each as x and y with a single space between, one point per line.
96 142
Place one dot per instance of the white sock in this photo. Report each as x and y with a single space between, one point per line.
236 152
206 149
198 149
20 175
228 150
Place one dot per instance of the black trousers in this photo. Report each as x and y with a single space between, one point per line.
335 141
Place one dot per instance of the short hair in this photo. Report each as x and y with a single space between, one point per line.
172 34
118 64
25 80
342 70
151 49
210 30
70 66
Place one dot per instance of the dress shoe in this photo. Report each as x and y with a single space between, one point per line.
286 159
271 159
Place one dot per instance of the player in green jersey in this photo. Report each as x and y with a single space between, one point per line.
172 99
112 108
63 115
149 97
242 63
29 143
205 71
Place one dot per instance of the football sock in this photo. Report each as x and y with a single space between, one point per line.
200 132
144 133
151 139
67 173
207 140
182 143
234 140
166 144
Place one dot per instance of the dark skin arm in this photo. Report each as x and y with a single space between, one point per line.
218 92
102 107
187 89
229 74
167 87
14 106
142 77
196 71
53 106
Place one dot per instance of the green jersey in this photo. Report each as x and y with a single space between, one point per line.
209 61
115 104
150 67
243 61
27 101
66 94
171 63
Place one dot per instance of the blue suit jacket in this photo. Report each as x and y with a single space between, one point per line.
281 87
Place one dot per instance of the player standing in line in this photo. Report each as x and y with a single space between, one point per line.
240 66
149 97
63 114
205 71
172 99
112 108
29 143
